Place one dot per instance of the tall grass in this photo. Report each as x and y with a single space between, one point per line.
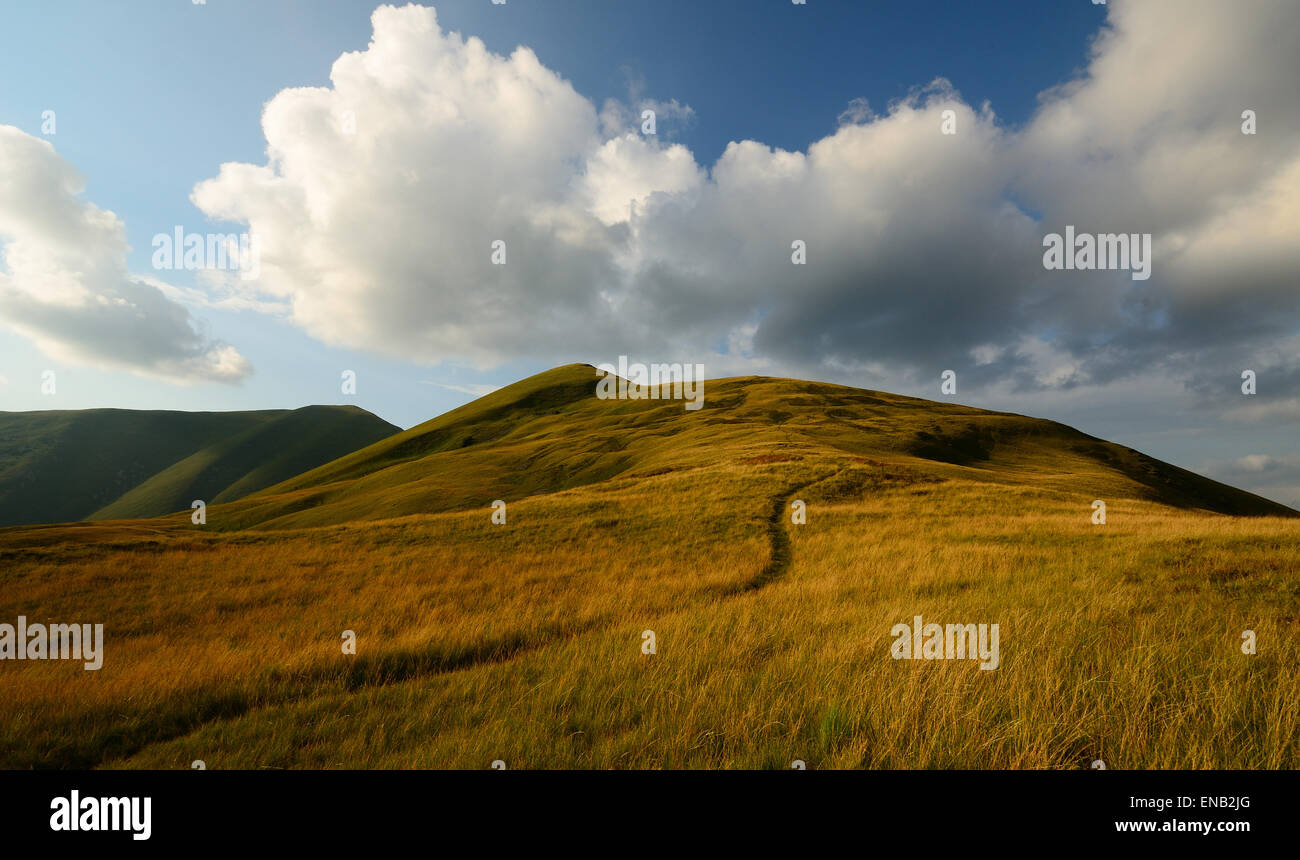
523 642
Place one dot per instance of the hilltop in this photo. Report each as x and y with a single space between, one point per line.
549 432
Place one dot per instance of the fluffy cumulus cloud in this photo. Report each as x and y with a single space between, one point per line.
1150 140
387 192
64 282
384 193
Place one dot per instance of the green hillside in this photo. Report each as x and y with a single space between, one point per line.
549 432
59 466
523 640
478 640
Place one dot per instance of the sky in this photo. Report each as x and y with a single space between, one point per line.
375 154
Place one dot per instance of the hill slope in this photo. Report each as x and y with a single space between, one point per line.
59 466
525 640
550 432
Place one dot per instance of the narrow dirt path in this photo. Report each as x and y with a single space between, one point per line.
778 537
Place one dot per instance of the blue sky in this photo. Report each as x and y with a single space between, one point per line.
152 97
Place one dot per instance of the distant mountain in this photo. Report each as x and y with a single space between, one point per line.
59 466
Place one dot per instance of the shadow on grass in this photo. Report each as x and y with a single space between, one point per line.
105 734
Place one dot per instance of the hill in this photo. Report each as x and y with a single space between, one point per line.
549 433
58 466
655 598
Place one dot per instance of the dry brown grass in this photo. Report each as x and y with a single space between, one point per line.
522 642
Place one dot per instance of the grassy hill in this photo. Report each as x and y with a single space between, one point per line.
526 641
58 466
549 433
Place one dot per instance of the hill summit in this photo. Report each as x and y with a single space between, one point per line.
550 432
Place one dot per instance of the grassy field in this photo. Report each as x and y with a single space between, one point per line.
523 642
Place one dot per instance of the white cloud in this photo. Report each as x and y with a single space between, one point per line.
473 389
381 238
65 286
626 171
1256 463
919 253
1275 477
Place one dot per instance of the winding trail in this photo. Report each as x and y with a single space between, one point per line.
782 555
287 687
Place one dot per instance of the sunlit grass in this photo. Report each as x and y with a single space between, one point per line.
522 642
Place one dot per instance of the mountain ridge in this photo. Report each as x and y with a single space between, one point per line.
69 465
547 433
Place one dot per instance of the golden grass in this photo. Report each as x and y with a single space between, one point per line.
522 642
